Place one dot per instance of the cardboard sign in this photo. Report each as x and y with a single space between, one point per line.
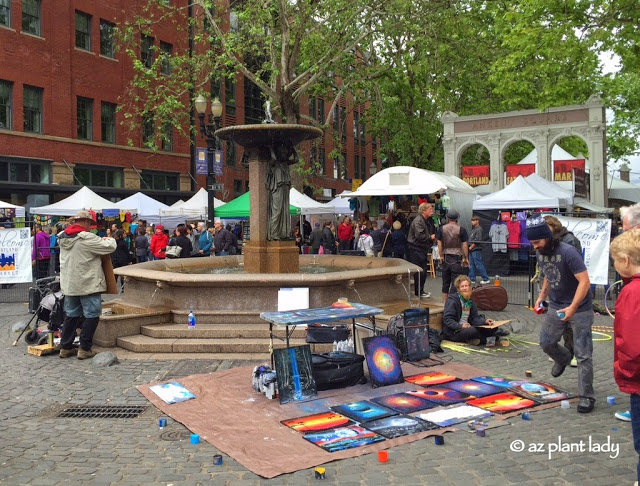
109 276
496 324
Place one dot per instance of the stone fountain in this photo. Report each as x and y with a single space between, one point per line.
228 298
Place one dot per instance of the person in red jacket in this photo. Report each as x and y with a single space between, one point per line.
345 234
625 251
159 242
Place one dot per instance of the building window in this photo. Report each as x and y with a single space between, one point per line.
146 51
343 123
148 130
317 160
32 109
337 166
12 170
356 125
231 154
316 109
5 13
107 47
85 118
31 17
237 188
98 176
253 109
108 122
336 119
6 102
363 167
83 31
161 181
230 96
167 137
166 50
356 167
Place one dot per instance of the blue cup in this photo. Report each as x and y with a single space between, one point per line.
611 400
162 423
195 439
217 460
526 416
439 440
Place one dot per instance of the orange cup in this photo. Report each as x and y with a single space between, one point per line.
383 456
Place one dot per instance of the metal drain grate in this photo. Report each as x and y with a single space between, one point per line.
103 411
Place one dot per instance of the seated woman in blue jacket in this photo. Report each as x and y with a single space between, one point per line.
460 318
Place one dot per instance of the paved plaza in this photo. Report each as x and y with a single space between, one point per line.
39 448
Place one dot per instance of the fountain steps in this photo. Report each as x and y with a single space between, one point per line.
146 344
217 331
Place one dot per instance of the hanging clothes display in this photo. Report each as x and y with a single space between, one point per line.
499 234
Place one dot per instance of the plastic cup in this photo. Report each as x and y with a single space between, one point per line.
383 456
565 405
526 416
611 400
162 423
217 460
480 432
491 341
439 440
195 439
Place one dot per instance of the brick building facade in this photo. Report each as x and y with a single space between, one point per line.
61 81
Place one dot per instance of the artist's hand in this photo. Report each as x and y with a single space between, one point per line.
466 325
489 322
569 312
539 300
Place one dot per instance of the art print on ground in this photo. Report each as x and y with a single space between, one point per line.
294 374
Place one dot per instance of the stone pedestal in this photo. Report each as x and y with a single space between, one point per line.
271 257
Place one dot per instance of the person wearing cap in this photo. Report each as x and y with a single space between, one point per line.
159 242
420 239
315 239
82 281
566 284
453 245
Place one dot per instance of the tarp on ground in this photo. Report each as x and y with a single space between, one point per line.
240 208
148 208
83 199
411 181
517 195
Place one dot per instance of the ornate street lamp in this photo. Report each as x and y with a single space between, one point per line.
373 168
207 130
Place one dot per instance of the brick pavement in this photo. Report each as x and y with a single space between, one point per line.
37 448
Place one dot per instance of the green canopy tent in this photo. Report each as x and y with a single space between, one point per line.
239 208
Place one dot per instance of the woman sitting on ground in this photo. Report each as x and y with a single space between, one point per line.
460 318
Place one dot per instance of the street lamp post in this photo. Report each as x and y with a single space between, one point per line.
373 169
207 130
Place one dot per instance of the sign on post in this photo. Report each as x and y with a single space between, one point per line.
201 161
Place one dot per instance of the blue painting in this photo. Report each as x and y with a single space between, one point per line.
362 411
383 361
294 374
475 388
398 426
499 380
404 403
343 438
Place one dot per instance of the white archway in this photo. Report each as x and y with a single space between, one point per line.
543 129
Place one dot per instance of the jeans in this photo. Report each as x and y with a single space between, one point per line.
418 256
635 428
222 253
476 265
83 305
552 330
141 258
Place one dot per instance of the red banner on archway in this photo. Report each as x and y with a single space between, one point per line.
513 171
476 175
563 169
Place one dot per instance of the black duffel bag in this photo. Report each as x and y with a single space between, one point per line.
337 369
324 333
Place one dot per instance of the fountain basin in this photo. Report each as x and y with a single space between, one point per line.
164 283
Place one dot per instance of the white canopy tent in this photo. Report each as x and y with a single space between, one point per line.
405 180
517 195
308 205
341 204
550 188
623 190
178 203
193 208
83 199
148 208
20 212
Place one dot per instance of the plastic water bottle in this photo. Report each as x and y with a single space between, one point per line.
191 320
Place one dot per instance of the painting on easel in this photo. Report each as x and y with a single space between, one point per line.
294 375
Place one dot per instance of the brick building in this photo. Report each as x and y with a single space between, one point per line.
61 80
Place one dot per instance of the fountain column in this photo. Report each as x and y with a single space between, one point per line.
262 255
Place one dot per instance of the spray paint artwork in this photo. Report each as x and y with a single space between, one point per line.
343 438
404 403
398 426
317 422
502 403
430 378
362 411
442 396
474 388
499 380
294 375
540 392
383 361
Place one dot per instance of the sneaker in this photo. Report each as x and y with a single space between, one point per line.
624 416
574 363
67 353
556 371
425 295
473 342
82 354
485 281
585 404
